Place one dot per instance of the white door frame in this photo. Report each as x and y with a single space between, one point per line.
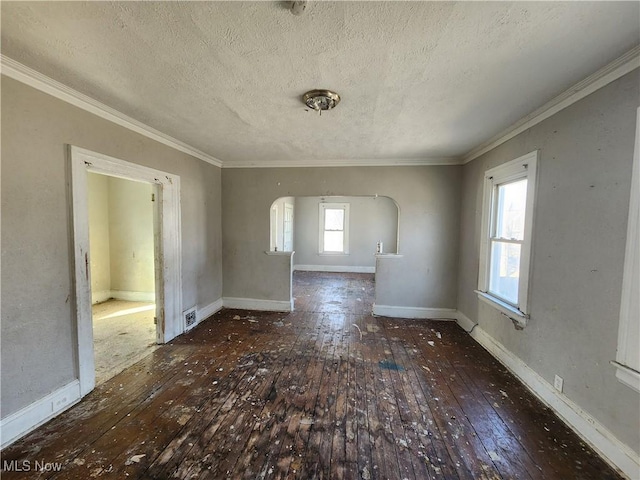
168 251
285 247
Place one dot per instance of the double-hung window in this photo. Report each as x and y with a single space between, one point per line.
334 228
506 236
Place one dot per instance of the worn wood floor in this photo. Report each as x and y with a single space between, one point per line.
325 392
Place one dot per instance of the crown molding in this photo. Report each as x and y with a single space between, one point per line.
609 73
37 80
380 162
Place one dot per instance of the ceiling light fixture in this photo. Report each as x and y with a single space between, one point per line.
320 100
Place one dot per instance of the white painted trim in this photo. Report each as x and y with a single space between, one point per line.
515 315
258 304
524 167
414 312
465 322
133 296
368 162
388 255
322 208
609 73
280 253
168 255
615 452
45 84
628 352
628 376
32 416
285 247
208 310
82 278
334 268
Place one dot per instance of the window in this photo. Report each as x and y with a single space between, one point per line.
334 228
506 236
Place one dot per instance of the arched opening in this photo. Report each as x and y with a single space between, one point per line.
334 233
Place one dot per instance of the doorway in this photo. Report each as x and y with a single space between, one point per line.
167 285
287 234
122 253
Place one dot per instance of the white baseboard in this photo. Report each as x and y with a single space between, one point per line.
257 304
32 416
133 296
208 310
334 268
414 312
465 322
619 455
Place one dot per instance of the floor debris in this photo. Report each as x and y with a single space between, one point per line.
359 331
135 459
312 401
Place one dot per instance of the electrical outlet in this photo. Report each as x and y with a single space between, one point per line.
558 382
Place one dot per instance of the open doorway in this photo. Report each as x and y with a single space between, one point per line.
122 252
281 224
332 234
335 233
165 199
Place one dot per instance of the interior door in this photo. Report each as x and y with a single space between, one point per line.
274 228
288 228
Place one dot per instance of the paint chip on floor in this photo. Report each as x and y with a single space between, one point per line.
135 459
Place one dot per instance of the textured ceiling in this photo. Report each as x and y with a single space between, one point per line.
418 80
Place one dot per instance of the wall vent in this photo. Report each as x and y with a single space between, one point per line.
190 319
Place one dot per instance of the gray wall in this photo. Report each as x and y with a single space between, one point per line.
579 236
38 322
371 220
428 200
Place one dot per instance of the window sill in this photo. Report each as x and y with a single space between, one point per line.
388 255
518 318
627 375
271 252
333 254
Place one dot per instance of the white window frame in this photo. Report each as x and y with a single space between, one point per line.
333 206
524 167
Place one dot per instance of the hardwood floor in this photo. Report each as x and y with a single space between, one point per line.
327 391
